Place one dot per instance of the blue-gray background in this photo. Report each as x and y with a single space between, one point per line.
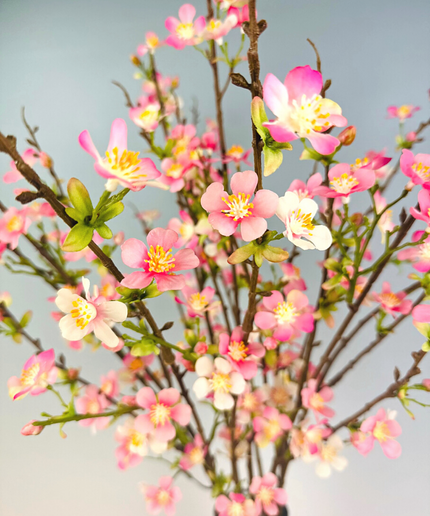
58 59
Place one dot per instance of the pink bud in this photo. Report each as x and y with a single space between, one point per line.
119 238
411 137
270 343
45 160
347 136
30 429
201 348
426 383
129 400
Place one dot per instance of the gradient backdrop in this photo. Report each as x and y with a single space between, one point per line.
58 59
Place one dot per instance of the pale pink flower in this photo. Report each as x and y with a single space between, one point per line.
424 203
421 319
306 440
329 456
306 191
402 112
38 372
30 429
242 15
152 42
228 211
292 278
268 497
146 114
417 168
392 303
270 426
419 255
375 161
301 111
45 160
109 384
298 215
174 172
133 445
186 229
92 402
37 210
120 166
344 181
184 31
216 29
385 223
161 497
217 377
285 316
158 263
93 314
197 302
194 454
237 154
13 224
29 156
316 400
242 356
235 505
426 383
163 407
382 428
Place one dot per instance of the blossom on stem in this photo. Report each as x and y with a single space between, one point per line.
194 453
152 42
306 191
158 263
13 224
228 211
237 154
163 407
270 426
186 230
285 316
198 303
316 400
29 156
383 428
120 166
37 374
297 215
402 112
424 203
146 114
419 255
268 497
241 356
217 377
184 31
93 314
392 303
30 429
328 455
216 29
93 402
161 497
301 111
417 168
345 180
235 505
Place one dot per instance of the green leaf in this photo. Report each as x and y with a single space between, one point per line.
26 318
258 257
258 115
275 254
111 211
104 231
79 197
75 214
272 160
144 347
242 254
78 238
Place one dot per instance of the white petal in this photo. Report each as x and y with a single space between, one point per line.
237 383
323 469
65 299
339 463
308 206
69 330
222 365
321 237
302 243
114 311
335 442
285 205
201 387
223 401
157 447
204 366
86 285
105 334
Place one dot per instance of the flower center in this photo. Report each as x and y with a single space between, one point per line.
285 313
221 382
238 351
403 111
136 441
316 401
266 495
107 290
93 407
186 231
390 299
198 302
360 163
425 251
344 184
28 376
272 429
328 453
159 260
305 116
301 223
235 151
381 431
152 41
185 31
239 206
280 396
135 364
175 171
149 115
15 223
124 165
236 509
196 455
422 171
159 414
83 312
163 497
213 25
250 402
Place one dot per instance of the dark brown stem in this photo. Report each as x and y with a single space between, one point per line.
128 101
252 304
159 94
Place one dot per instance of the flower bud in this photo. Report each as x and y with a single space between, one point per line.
30 429
45 160
201 348
347 136
135 60
72 374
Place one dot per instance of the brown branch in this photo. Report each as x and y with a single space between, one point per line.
248 320
128 101
159 94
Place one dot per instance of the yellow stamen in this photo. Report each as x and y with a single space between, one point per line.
160 260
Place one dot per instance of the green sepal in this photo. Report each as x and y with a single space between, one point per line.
78 238
274 254
111 211
104 231
79 197
242 254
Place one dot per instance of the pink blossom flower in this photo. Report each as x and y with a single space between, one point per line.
426 383
382 428
37 210
30 157
146 114
285 316
424 203
242 15
418 255
152 42
13 224
385 223
235 505
297 215
316 400
30 429
228 211
38 372
133 445
184 32
392 303
92 402
186 230
402 112
198 303
292 278
236 154
375 161
174 172
417 168
163 407
329 457
109 384
93 314
270 426
218 378
216 29
306 191
421 319
268 497
301 111
242 356
306 440
194 454
158 263
164 497
344 181
120 166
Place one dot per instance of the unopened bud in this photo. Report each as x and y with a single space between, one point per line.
45 160
357 219
135 60
72 374
347 136
30 429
